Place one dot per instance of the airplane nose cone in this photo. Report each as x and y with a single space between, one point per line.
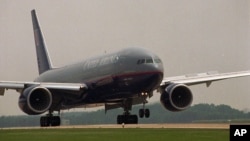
156 75
158 67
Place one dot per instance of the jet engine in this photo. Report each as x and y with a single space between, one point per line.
176 97
35 100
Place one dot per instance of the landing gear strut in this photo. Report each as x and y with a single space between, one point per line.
50 120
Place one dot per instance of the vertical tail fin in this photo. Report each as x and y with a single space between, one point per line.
43 59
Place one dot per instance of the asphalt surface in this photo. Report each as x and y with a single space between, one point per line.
194 126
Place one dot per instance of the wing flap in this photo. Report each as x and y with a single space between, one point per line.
18 86
11 85
2 91
207 78
56 86
65 86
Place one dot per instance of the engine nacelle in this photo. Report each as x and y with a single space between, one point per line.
176 97
35 100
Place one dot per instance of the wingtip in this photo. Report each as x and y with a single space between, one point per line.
34 19
33 11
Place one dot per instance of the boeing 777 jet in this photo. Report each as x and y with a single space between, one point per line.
117 80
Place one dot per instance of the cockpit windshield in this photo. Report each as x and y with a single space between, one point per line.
148 61
157 60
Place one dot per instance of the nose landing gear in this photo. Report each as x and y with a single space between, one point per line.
144 113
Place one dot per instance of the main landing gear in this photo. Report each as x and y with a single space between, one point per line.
50 120
127 118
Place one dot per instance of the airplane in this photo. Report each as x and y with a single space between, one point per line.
115 80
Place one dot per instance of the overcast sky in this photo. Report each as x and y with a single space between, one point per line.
189 35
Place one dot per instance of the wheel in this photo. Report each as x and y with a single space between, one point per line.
55 121
120 119
127 119
141 113
147 113
131 119
134 119
44 121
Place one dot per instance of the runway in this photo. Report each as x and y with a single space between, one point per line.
205 126
170 126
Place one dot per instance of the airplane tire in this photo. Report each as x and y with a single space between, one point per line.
47 121
141 113
127 119
134 119
147 113
119 119
55 121
44 122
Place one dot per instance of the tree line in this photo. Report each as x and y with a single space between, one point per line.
197 113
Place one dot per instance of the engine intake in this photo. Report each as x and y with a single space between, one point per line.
176 97
35 100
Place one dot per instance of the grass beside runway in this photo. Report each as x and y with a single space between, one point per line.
103 134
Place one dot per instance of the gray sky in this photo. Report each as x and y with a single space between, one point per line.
189 35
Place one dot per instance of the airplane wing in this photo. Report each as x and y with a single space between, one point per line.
200 78
19 86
